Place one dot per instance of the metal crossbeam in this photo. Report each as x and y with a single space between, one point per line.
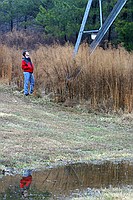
109 21
104 27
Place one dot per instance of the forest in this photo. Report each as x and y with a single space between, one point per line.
56 20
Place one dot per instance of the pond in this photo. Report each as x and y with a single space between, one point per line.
63 182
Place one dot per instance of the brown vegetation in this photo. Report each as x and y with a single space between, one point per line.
105 80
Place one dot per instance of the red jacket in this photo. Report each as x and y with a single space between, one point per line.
25 182
27 65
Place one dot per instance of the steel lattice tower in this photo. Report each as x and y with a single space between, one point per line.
103 26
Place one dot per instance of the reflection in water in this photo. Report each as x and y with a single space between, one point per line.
71 177
62 181
25 183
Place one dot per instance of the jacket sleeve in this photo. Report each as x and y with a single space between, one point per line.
24 65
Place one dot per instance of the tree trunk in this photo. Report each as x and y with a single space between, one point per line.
11 25
109 35
25 26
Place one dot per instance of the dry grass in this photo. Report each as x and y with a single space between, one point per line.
105 80
22 39
34 132
110 194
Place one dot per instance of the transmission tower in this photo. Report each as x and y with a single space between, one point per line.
97 35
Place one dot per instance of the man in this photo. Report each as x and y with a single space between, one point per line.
25 182
28 68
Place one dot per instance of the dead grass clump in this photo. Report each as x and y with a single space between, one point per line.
53 64
22 39
10 66
5 64
103 79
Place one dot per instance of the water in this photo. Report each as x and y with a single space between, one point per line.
64 181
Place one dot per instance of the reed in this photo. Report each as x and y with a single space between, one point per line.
105 80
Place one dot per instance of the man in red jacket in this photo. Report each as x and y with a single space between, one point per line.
28 68
25 182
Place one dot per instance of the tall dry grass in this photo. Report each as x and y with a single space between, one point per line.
105 80
10 62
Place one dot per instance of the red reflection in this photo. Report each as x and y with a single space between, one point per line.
25 183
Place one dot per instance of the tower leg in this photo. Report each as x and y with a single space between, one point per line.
114 13
82 26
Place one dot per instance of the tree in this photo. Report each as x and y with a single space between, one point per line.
124 26
62 20
8 11
18 13
125 34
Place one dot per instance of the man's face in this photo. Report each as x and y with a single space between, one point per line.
27 54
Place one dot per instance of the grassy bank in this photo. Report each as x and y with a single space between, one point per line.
35 132
110 194
105 78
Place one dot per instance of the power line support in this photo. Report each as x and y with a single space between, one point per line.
82 26
103 27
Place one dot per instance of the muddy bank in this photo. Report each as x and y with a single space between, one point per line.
64 180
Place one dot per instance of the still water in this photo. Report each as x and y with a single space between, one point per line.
64 181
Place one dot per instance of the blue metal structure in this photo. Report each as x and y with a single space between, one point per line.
103 28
